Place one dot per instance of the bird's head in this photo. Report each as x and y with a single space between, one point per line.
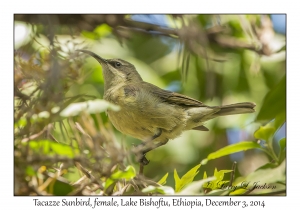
115 71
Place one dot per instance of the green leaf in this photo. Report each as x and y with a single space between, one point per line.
239 191
165 190
30 171
220 174
103 30
22 122
177 181
280 120
100 31
163 180
219 192
190 175
268 176
91 107
282 153
264 132
274 103
127 174
90 35
186 178
149 189
230 149
204 175
218 182
267 165
194 188
108 183
61 188
52 148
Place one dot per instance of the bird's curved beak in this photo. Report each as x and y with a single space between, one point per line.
94 55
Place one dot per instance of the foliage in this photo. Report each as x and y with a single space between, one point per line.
186 178
64 143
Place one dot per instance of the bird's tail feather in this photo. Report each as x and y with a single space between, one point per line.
202 114
231 109
238 108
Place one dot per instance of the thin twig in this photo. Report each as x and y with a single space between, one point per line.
34 136
232 173
89 175
141 169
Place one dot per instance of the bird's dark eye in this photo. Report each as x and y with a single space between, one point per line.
118 64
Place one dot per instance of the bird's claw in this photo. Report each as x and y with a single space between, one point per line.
141 157
143 160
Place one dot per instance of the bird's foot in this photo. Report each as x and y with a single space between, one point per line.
140 155
143 160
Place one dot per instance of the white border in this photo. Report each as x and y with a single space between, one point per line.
8 201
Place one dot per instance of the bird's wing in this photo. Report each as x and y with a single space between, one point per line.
172 97
155 105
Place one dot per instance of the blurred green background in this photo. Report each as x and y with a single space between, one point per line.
217 59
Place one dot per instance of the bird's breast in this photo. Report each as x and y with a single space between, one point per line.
142 115
129 120
129 123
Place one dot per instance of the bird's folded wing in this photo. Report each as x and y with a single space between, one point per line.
172 97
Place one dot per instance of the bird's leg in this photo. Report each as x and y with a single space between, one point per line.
148 146
143 160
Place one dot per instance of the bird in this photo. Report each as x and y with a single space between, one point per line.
151 114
